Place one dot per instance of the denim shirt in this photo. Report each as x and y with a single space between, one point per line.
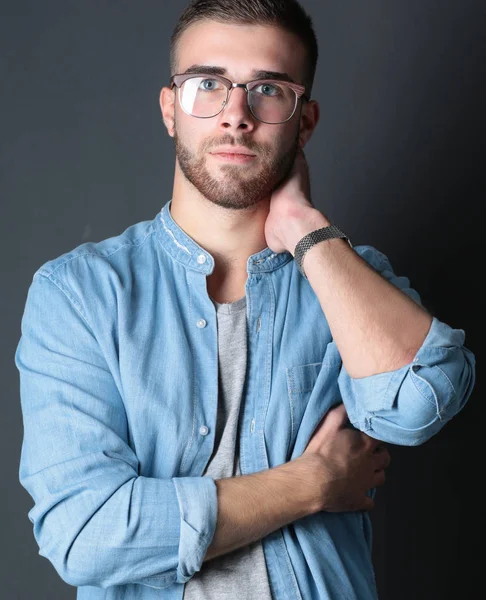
118 364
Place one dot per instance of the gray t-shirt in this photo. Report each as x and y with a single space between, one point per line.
241 573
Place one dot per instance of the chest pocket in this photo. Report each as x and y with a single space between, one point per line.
312 389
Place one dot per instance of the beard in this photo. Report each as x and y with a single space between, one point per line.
234 187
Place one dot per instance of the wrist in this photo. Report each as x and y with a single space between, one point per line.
306 473
299 224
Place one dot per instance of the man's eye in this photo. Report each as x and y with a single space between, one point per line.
268 89
209 85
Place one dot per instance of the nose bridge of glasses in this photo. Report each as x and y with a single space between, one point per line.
230 90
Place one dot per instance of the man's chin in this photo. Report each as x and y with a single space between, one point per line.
234 202
233 194
233 170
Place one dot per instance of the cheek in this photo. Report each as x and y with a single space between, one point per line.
188 135
284 146
285 138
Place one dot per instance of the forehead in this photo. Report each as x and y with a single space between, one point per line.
241 49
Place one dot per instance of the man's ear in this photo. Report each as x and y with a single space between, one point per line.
308 120
167 107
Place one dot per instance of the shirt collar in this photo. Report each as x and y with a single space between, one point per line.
186 251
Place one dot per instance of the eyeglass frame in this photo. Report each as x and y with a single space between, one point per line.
178 79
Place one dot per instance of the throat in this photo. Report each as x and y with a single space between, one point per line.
226 289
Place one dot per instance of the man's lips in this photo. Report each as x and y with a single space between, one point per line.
232 154
233 150
235 157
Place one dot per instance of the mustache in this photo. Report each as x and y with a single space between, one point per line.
230 141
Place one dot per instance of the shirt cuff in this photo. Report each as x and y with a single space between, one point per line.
198 505
410 404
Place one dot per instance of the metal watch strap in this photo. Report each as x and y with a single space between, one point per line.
314 237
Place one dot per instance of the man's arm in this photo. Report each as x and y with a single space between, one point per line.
405 374
252 506
334 473
375 325
95 518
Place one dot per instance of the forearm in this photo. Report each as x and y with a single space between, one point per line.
376 326
253 506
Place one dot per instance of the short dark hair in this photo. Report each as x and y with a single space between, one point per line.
286 14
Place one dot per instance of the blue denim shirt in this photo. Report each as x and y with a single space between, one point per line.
118 364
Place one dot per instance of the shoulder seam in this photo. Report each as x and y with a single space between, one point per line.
69 295
48 273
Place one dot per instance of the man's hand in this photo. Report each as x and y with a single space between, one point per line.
349 463
333 474
291 210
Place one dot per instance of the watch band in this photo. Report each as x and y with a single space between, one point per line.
314 237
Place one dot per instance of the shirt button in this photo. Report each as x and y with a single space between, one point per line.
203 430
201 259
201 323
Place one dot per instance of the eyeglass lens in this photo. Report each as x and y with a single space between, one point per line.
269 101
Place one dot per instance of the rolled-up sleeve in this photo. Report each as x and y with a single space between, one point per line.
94 517
197 526
411 404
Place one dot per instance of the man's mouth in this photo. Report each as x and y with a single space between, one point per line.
236 155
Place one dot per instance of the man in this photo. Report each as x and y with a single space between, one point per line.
186 385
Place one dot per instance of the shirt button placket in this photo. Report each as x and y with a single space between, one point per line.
201 323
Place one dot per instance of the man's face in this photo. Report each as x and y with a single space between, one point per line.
239 49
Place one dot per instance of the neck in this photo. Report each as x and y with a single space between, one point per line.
231 236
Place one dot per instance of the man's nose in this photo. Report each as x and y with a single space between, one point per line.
236 113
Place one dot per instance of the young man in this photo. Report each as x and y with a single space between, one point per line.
186 385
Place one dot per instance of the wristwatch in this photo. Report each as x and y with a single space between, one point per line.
314 237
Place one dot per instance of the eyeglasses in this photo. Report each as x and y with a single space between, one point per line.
269 100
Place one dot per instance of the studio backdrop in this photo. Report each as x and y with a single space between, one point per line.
396 161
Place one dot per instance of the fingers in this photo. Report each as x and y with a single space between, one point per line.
379 451
368 503
373 444
382 456
380 477
386 459
337 416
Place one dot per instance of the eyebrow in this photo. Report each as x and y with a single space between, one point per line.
256 74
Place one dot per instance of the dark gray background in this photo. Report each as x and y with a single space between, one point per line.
397 161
